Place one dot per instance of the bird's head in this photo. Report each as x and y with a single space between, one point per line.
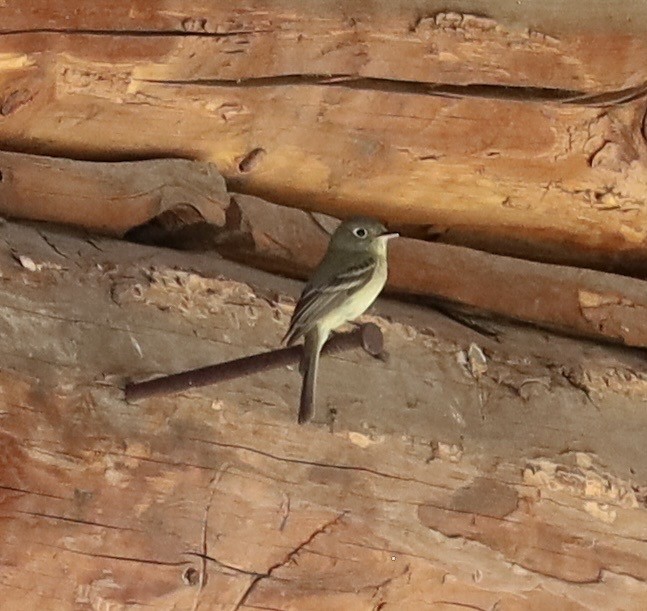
362 234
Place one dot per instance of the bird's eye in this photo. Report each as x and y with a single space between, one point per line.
360 232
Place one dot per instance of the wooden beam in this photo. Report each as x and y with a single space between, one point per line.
540 44
519 131
580 301
109 197
452 475
187 205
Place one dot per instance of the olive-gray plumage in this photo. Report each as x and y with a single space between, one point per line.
345 284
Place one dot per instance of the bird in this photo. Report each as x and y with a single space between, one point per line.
346 282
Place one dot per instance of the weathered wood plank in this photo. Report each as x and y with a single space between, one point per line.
110 198
544 180
542 44
186 204
584 302
433 480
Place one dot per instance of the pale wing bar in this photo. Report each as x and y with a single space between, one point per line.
318 300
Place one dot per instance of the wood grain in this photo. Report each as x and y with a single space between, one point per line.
186 205
434 480
509 131
109 198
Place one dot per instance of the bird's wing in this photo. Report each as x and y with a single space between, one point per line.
323 294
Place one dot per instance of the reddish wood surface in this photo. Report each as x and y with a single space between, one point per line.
357 109
505 475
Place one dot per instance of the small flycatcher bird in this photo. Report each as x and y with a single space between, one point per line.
348 280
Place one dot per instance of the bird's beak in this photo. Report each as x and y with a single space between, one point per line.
387 236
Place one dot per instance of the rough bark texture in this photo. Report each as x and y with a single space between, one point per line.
455 475
520 131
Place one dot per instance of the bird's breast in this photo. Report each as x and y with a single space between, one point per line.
359 301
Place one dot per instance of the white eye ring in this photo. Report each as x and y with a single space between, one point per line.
360 232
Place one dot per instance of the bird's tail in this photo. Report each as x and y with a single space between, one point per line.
309 366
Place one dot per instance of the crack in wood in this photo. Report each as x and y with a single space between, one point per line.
48 240
383 584
166 463
313 463
223 565
285 511
485 90
75 520
117 557
215 480
288 558
142 33
25 491
459 604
